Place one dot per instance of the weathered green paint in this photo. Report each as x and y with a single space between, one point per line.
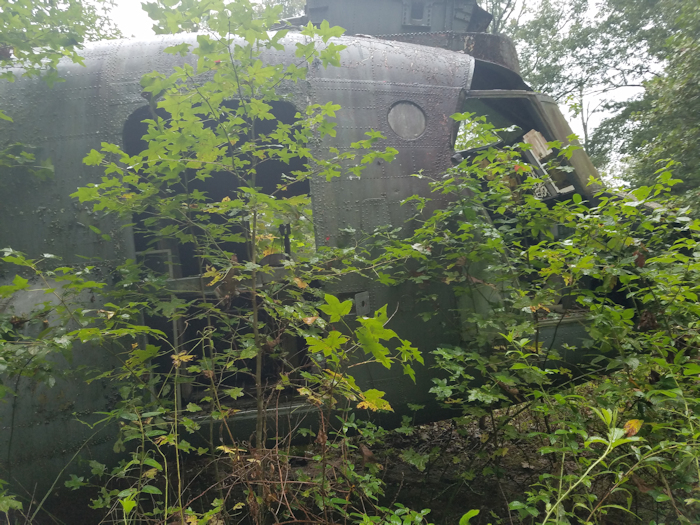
375 76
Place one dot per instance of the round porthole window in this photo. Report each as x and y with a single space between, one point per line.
407 120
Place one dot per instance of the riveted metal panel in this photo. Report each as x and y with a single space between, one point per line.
498 49
39 430
63 123
373 17
373 77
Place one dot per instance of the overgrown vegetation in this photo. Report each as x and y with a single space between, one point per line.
244 332
237 400
602 291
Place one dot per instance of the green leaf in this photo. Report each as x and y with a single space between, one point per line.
18 283
520 366
249 353
416 459
8 502
150 489
371 345
180 49
373 400
94 158
152 463
691 369
327 128
335 309
127 504
75 482
234 393
329 345
464 520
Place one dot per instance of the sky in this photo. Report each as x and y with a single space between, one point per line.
131 19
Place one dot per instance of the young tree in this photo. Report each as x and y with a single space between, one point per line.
224 179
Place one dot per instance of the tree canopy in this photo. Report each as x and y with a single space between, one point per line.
589 55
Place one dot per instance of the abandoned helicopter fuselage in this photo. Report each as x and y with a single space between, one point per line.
424 62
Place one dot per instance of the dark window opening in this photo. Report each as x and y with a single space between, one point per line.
503 115
270 176
417 11
179 261
488 75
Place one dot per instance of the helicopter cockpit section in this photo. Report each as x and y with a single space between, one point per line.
526 116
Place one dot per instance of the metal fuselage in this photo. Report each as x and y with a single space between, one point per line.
407 91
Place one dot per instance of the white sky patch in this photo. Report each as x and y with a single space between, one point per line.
131 19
